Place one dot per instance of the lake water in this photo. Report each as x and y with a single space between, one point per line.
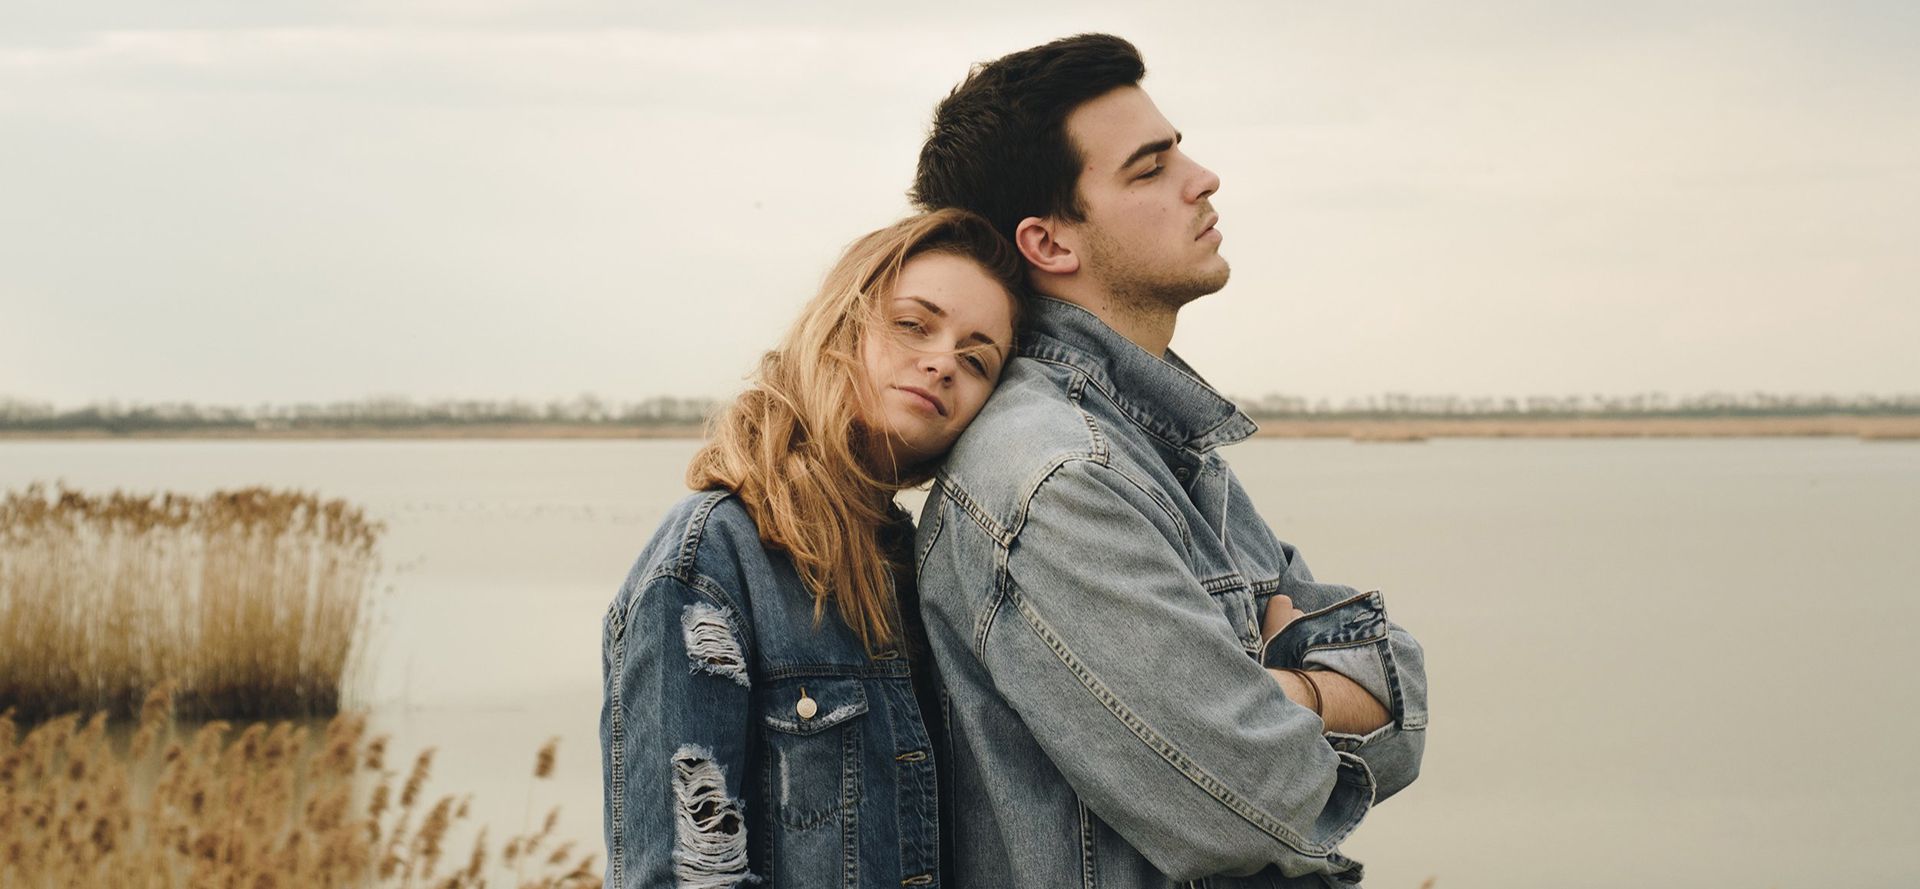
1654 662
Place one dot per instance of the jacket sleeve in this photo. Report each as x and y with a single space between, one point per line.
1123 668
1348 633
673 735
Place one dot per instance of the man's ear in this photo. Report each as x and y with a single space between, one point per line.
1035 237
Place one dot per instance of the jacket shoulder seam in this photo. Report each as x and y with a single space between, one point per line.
1104 461
684 568
684 561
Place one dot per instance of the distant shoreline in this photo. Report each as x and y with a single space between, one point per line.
1407 429
1874 428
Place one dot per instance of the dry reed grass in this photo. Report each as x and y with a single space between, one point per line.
250 598
268 808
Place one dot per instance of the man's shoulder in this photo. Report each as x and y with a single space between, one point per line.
1030 427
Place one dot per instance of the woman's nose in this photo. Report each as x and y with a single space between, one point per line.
940 364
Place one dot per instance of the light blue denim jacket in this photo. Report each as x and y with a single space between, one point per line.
740 742
1092 577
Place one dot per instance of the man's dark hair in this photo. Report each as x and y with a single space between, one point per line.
999 143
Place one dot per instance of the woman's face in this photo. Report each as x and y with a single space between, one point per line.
944 336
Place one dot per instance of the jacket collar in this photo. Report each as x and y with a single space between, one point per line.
1166 397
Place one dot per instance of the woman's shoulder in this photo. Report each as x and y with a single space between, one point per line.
703 532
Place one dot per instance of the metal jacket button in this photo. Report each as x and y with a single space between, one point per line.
807 707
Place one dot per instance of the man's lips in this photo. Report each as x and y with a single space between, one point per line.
935 403
1205 229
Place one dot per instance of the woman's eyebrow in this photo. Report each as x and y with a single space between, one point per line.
976 336
981 337
928 304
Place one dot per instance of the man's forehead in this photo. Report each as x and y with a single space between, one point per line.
1107 128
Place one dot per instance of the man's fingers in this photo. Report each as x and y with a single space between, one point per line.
1280 612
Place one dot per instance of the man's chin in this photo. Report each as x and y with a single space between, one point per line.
1210 281
1219 279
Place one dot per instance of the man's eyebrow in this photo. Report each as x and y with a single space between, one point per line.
1150 148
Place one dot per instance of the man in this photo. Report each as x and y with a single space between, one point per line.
1093 578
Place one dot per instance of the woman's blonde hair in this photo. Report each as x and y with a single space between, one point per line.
795 447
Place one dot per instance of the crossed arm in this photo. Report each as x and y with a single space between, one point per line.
1343 705
1172 736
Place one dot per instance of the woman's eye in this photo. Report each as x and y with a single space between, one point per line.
909 324
979 366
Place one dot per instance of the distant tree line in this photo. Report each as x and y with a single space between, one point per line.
401 413
1641 404
383 413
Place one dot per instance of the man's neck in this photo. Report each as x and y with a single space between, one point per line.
1144 322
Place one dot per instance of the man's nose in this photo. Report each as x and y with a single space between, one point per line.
1202 184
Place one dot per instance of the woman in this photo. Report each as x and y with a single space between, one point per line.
760 663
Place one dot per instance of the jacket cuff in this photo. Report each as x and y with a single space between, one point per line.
1355 791
1352 623
1348 638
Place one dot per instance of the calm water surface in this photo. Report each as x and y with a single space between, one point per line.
1661 663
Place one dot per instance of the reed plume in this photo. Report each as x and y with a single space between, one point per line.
251 598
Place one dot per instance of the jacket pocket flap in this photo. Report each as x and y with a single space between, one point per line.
808 706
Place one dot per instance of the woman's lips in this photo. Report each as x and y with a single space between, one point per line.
932 403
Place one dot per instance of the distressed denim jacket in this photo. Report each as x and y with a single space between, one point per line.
1092 578
740 742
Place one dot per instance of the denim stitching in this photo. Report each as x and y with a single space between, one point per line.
616 855
1088 873
850 804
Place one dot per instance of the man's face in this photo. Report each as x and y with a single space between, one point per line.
1148 233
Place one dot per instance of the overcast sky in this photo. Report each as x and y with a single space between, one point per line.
222 203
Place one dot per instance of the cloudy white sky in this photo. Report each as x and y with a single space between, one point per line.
230 203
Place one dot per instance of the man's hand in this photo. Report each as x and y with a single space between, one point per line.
1342 704
1280 612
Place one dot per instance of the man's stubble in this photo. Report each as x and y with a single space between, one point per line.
1137 288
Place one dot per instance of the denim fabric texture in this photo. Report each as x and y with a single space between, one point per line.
741 742
1092 577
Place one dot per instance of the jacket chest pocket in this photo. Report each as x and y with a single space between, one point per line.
812 764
